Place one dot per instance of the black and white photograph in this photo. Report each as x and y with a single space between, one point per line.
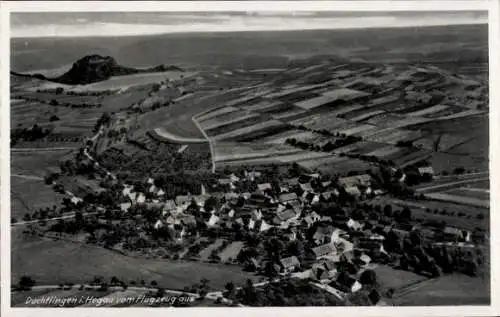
249 158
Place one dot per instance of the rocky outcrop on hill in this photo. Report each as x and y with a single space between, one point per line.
95 68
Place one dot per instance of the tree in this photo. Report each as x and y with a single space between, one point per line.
26 282
54 118
368 277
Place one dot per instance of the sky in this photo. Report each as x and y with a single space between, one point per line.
81 24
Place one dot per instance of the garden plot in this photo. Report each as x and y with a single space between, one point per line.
476 193
383 120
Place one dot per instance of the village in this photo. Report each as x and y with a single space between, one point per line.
327 230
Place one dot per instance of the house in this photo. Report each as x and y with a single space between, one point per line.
426 170
315 217
323 270
307 188
295 205
224 181
152 189
256 214
150 181
231 213
326 184
182 200
324 250
234 178
289 264
291 235
264 186
347 283
353 191
291 182
451 233
252 175
169 206
251 224
141 198
285 217
212 221
76 200
264 226
308 221
287 197
354 225
158 224
188 220
323 235
246 195
125 206
160 193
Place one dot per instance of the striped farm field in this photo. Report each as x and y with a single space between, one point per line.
365 147
477 193
262 106
335 166
426 111
227 118
393 136
215 113
384 151
255 129
315 102
292 90
288 113
362 115
299 135
358 129
239 151
477 202
238 124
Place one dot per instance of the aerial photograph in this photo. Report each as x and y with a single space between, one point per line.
249 159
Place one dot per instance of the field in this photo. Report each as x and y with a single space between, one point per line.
58 261
449 290
453 210
389 277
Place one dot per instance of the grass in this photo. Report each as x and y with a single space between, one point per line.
29 195
231 251
455 289
389 277
53 262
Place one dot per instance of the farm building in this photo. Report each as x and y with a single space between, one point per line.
357 180
426 170
324 250
289 264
